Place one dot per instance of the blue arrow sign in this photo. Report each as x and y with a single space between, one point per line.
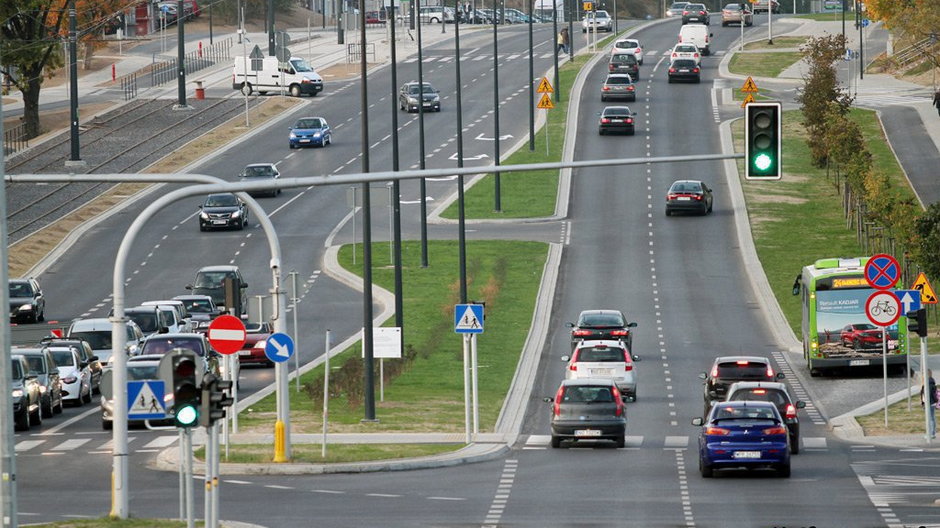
279 348
865 22
145 400
468 318
910 300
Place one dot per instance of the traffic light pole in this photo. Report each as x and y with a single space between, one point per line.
186 455
925 383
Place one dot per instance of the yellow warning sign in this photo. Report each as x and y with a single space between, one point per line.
545 102
589 6
748 99
545 86
927 295
749 86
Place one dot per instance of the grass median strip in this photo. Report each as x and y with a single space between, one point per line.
426 393
335 453
769 64
900 420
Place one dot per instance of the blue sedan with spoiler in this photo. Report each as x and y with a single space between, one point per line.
743 434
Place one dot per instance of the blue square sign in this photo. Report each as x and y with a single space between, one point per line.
468 318
910 300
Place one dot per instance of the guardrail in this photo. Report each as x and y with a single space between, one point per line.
914 52
14 139
353 52
164 72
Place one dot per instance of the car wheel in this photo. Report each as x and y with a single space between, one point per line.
705 469
856 344
60 407
668 212
794 445
46 410
246 89
600 132
724 24
291 145
106 425
603 99
556 441
295 90
203 228
670 80
783 471
621 442
36 418
86 398
42 315
21 421
710 207
641 62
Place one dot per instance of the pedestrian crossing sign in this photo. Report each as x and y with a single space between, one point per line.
545 86
545 103
749 86
468 318
747 100
145 400
927 294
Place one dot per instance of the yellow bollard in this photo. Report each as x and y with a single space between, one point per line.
279 442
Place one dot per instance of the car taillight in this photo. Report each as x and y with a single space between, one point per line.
581 332
628 367
573 367
715 372
695 55
674 55
701 12
619 399
695 70
717 431
556 409
778 430
611 67
605 120
638 51
672 70
630 88
619 332
671 196
605 89
697 197
791 411
629 120
685 12
770 372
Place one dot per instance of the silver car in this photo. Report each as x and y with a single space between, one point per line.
138 368
604 360
618 86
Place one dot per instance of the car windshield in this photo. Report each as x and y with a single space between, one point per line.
98 339
142 372
146 321
36 365
727 412
163 345
20 289
624 44
623 58
695 7
773 396
683 63
413 88
686 187
686 48
17 371
733 7
865 326
221 200
63 358
619 80
259 171
678 5
600 355
257 328
309 123
198 305
587 394
602 320
210 279
300 65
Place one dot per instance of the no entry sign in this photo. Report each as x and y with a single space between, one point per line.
227 334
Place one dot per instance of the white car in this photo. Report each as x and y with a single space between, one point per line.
685 51
604 359
600 21
74 375
175 313
629 45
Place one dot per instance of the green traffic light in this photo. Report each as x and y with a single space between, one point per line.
186 415
762 162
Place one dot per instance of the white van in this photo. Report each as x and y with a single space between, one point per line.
266 74
696 34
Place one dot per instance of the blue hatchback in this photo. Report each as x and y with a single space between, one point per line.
310 131
743 434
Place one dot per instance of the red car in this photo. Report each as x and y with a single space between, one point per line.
861 335
252 353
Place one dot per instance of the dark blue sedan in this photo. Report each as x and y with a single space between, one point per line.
743 434
310 131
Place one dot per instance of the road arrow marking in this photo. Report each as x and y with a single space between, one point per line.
466 158
481 137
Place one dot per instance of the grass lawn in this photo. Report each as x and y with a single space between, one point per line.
738 95
768 64
779 42
428 395
830 17
335 453
900 420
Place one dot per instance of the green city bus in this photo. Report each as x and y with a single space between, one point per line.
836 330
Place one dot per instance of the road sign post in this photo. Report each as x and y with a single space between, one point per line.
910 308
545 103
883 309
468 320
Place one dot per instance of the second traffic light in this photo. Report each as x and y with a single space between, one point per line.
214 400
186 395
917 322
763 126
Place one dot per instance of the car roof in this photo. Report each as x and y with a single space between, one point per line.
607 382
619 75
746 403
743 385
221 267
27 351
192 297
599 312
96 323
176 335
146 357
686 181
612 343
142 308
753 359
259 165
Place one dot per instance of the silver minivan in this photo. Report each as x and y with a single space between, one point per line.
97 332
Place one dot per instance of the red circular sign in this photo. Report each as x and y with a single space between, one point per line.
227 334
882 271
883 308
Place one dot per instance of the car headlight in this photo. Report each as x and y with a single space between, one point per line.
69 380
316 134
42 389
412 100
236 214
26 308
293 135
262 344
17 393
204 215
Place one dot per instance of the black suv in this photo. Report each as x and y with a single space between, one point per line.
729 369
593 325
775 393
223 210
624 63
26 301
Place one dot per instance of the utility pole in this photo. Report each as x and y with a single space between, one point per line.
462 236
498 206
271 44
181 57
531 87
396 184
367 350
75 158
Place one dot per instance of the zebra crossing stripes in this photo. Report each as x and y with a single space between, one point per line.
26 445
890 100
74 444
69 445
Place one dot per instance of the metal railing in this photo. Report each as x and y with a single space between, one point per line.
914 52
164 72
353 52
14 139
129 86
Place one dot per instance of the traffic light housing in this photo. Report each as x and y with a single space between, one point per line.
214 400
186 394
763 128
917 322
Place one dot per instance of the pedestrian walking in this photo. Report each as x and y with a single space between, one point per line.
936 100
563 40
931 400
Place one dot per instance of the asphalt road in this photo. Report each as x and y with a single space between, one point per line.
680 278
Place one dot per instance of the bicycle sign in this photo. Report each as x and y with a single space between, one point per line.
883 308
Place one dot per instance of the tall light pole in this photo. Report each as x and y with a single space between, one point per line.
181 56
498 206
75 156
396 184
422 183
367 350
462 235
531 84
